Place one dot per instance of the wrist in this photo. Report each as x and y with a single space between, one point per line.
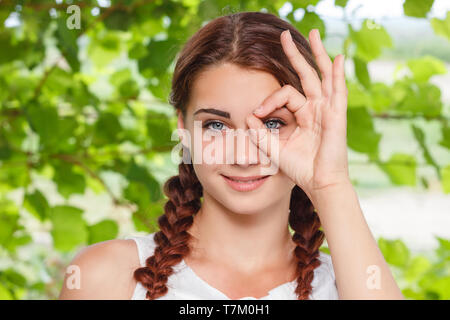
323 192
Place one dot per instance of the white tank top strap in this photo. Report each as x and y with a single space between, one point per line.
145 246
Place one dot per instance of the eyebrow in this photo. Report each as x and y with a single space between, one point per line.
213 111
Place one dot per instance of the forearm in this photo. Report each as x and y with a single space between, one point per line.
360 268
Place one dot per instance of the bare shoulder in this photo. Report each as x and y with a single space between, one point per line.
102 270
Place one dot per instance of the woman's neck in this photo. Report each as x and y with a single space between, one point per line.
248 242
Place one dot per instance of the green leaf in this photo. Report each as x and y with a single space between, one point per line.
361 71
44 121
442 27
160 55
29 51
138 51
129 89
425 67
5 294
103 48
67 43
14 177
145 219
443 251
118 20
120 76
13 277
303 3
394 251
17 240
445 173
442 287
381 96
357 95
159 129
445 141
141 174
102 231
420 137
68 180
417 8
127 86
370 40
325 250
418 266
361 134
5 149
162 88
309 21
401 169
340 3
409 293
69 229
422 98
107 129
37 204
9 217
138 193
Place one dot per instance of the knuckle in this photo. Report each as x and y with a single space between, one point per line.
291 91
288 87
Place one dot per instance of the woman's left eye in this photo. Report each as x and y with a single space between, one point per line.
215 125
273 124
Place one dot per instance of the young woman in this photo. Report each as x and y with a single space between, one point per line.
225 231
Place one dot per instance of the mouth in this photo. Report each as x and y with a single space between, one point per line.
245 183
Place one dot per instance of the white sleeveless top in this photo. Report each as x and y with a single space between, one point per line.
185 284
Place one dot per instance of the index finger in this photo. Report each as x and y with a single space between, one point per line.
310 81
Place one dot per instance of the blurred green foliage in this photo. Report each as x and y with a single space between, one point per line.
76 104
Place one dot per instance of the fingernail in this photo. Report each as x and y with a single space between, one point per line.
317 34
258 110
289 34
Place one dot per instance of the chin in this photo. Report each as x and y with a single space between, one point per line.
248 202
245 205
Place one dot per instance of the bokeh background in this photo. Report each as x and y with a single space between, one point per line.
85 126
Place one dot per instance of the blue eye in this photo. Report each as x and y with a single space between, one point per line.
215 125
273 124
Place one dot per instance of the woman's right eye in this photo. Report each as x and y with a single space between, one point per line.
215 125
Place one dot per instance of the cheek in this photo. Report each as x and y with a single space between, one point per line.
206 146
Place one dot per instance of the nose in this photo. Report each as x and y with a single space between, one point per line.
247 154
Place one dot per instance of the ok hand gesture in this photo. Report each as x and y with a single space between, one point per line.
315 154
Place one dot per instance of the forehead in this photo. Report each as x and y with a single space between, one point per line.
231 88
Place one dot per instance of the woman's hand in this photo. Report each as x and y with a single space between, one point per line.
315 154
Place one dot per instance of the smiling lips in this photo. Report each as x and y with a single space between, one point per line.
245 183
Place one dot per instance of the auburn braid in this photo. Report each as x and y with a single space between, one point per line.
184 193
306 223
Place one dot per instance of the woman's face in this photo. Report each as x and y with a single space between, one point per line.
230 167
